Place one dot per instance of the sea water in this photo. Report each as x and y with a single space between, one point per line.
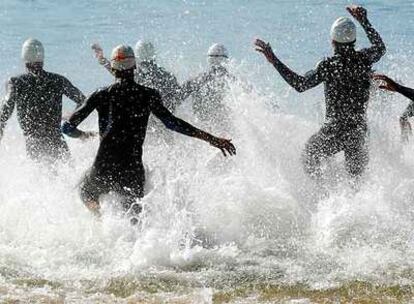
248 229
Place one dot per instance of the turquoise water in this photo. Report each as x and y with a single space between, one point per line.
266 223
183 30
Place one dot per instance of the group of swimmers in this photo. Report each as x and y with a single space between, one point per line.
142 88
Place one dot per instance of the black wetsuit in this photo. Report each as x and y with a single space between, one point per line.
38 100
124 109
151 75
409 93
346 76
208 91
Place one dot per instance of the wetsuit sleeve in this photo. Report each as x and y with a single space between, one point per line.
378 49
7 107
189 87
72 92
106 64
409 93
174 91
174 87
298 82
69 127
170 121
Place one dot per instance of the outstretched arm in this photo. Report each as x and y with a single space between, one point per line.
73 92
378 49
171 90
101 58
392 86
7 108
296 81
409 93
70 127
188 88
170 83
179 125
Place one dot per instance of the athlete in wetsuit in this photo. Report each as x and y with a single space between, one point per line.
37 96
209 88
149 73
392 86
346 76
124 108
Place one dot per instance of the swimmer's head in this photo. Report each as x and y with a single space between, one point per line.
123 61
33 53
217 55
343 31
144 51
123 58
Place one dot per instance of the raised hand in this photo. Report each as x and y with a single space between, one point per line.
388 84
98 50
358 12
224 145
266 50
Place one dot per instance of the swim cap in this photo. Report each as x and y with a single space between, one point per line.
144 51
122 58
33 51
217 54
343 30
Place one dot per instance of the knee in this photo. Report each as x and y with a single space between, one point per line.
87 194
90 199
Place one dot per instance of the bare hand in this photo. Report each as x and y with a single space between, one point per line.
98 50
358 12
266 50
406 130
224 145
388 83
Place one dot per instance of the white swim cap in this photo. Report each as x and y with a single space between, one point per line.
343 30
144 51
217 54
123 58
33 51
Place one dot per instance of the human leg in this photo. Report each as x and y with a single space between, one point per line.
356 153
320 146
